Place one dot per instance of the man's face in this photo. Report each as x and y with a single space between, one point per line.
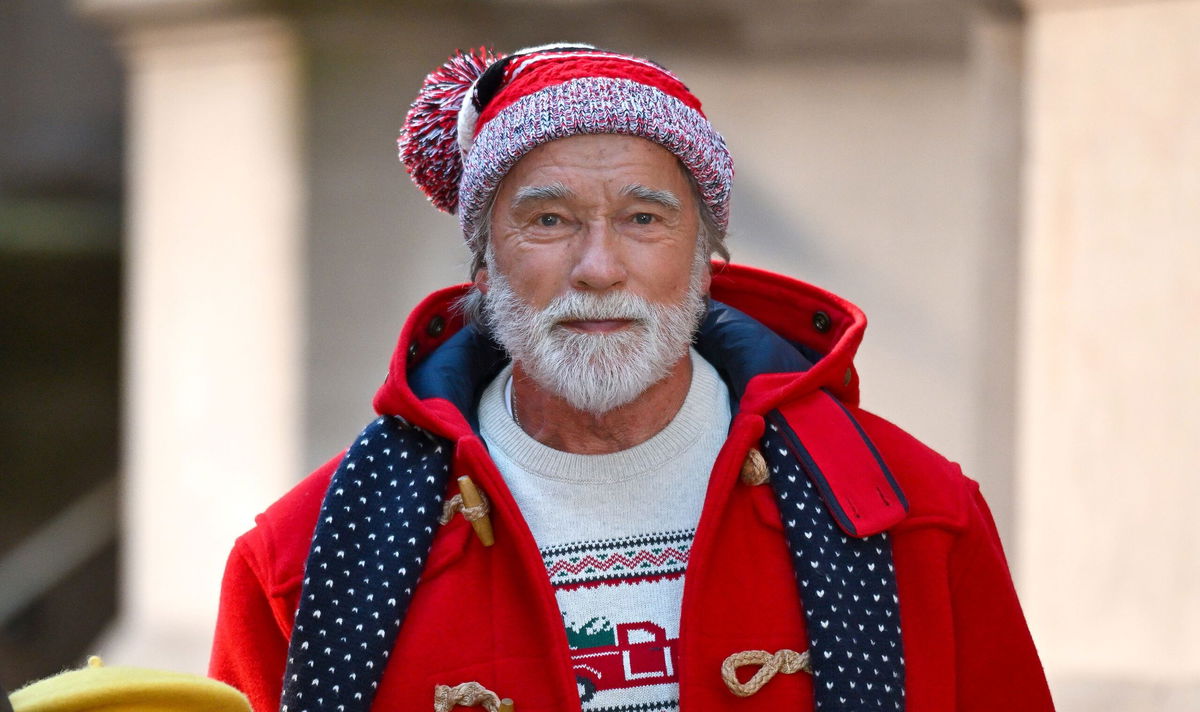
595 279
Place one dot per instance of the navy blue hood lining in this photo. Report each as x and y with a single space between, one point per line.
737 345
459 370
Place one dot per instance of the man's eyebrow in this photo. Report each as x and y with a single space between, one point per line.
665 198
534 193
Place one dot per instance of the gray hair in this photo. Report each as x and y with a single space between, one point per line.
479 241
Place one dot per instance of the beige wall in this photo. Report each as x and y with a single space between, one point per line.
1110 414
862 177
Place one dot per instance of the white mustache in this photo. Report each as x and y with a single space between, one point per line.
580 306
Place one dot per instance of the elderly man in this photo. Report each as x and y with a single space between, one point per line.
608 474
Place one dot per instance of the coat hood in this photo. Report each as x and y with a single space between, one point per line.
771 337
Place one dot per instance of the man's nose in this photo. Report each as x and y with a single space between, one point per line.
600 264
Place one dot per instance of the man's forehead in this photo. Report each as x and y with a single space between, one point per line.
559 191
626 164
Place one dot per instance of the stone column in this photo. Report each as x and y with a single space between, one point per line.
214 323
1110 355
995 66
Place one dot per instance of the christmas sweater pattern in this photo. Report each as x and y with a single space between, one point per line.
619 600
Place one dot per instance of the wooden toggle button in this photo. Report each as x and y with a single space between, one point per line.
473 502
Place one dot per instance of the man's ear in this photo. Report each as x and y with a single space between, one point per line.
481 280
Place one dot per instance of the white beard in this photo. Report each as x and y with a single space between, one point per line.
595 372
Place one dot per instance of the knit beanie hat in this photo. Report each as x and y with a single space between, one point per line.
479 113
97 688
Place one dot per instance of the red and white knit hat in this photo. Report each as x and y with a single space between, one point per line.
479 113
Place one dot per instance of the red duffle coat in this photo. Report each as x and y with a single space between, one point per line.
489 614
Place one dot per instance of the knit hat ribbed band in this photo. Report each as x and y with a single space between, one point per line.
478 114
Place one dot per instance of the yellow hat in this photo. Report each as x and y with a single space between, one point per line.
96 688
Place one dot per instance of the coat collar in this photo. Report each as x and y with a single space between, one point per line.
782 347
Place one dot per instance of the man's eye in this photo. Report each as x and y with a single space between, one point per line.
643 218
548 220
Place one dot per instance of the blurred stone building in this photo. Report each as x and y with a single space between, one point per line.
1010 190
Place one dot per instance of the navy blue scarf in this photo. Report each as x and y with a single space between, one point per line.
847 584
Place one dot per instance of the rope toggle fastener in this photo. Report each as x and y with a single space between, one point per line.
754 469
469 694
785 661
